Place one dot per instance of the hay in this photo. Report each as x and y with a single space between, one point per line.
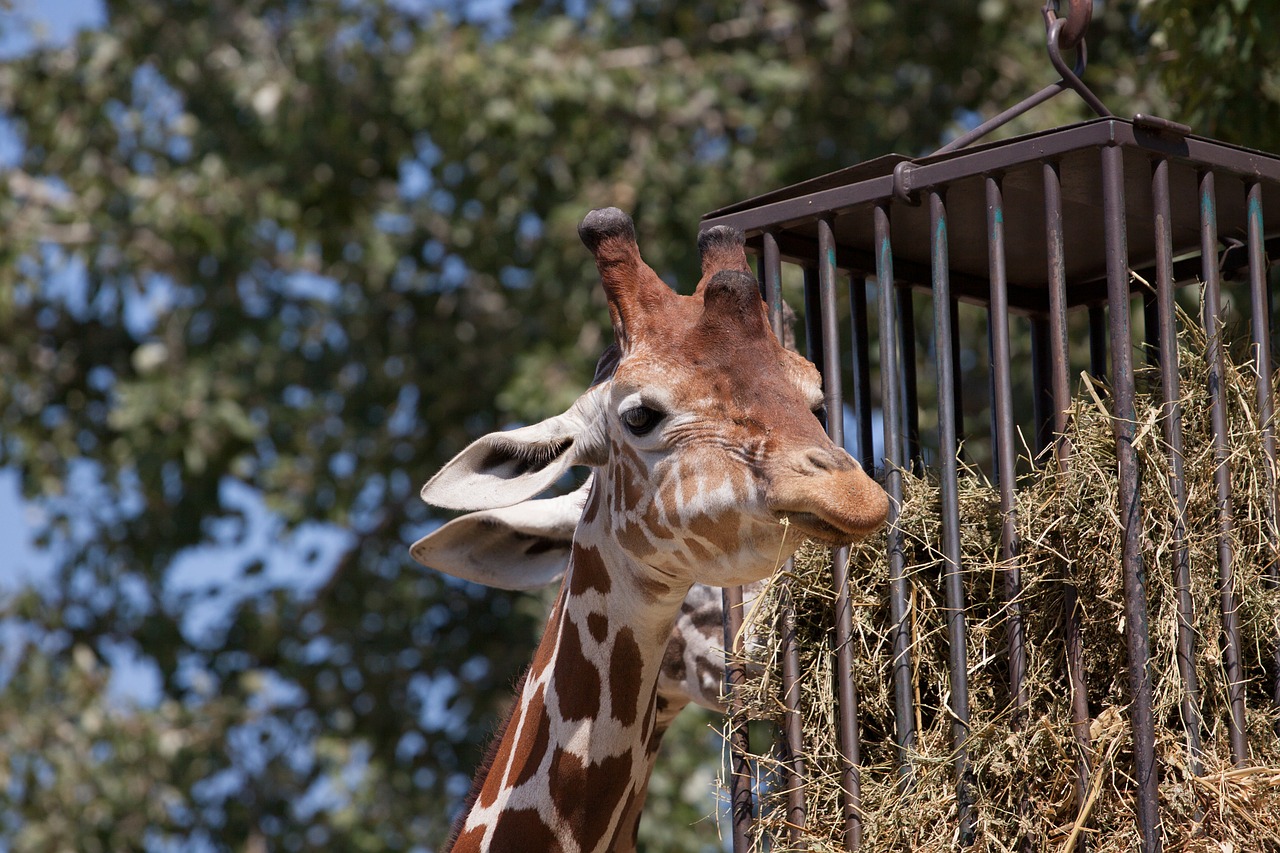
1023 777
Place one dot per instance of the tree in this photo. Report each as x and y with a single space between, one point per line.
304 252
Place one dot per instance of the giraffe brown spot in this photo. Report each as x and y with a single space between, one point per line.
673 657
468 842
624 677
636 814
520 830
717 530
631 536
598 625
577 680
589 796
498 768
710 623
587 571
530 751
647 727
698 552
655 738
633 485
593 507
708 674
651 587
547 647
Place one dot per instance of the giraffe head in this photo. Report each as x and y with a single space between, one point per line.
704 442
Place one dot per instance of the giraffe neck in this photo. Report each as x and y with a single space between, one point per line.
577 751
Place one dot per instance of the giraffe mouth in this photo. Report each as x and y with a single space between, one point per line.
815 527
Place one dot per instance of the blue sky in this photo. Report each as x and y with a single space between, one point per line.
33 21
23 26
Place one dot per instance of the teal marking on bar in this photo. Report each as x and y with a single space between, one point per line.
831 256
1000 216
1207 211
1255 210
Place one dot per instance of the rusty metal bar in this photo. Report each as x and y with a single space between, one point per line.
1006 473
793 723
1151 326
910 391
846 690
892 358
1129 500
1260 298
950 545
771 281
1172 423
1222 467
1097 342
789 648
741 801
957 388
1041 385
861 367
1060 354
813 315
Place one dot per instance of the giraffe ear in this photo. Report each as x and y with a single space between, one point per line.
505 468
525 546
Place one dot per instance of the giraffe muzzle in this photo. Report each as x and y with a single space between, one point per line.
827 496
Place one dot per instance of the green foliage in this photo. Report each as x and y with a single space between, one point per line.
1220 63
309 251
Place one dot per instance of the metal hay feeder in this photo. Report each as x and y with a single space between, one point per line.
1074 219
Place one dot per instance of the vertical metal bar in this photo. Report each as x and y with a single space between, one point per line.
910 395
1002 407
1172 423
1151 326
813 316
771 264
793 723
947 447
1259 296
1130 505
1059 349
1097 343
793 730
1060 354
957 389
741 804
846 690
1041 385
892 359
861 370
1222 468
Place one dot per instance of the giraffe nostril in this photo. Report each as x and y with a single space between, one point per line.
827 460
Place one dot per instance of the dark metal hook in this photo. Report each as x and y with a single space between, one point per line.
1069 76
1079 14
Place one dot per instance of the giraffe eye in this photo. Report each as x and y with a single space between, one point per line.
820 412
641 420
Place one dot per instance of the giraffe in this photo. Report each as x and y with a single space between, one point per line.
701 445
527 546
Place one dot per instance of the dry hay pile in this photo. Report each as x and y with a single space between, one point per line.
1023 779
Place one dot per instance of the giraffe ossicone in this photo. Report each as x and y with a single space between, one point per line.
702 443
